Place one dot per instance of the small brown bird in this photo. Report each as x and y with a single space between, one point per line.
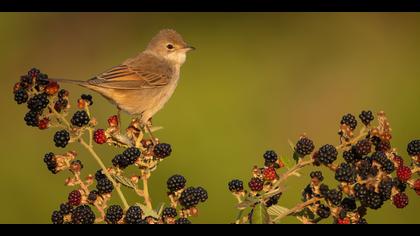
143 84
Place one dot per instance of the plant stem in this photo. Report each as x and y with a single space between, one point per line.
296 209
146 195
101 164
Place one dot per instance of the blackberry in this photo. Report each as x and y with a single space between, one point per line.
304 147
176 183
51 162
120 161
323 211
104 186
132 153
383 146
360 192
327 154
21 96
66 208
162 150
83 215
38 102
61 138
75 198
366 117
61 104
350 156
404 173
324 190
256 184
362 211
388 166
236 185
400 200
182 221
202 194
99 175
350 121
270 156
413 148
63 93
334 197
362 221
93 195
363 147
307 193
273 200
379 157
317 175
169 212
385 189
114 214
345 173
87 98
80 118
399 161
399 185
364 169
33 73
349 204
42 79
133 215
32 118
57 218
189 198
374 200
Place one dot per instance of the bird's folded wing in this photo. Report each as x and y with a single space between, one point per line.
127 77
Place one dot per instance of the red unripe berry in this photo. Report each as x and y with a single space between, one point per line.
99 136
345 221
52 88
43 124
416 187
75 198
113 121
270 174
404 173
400 200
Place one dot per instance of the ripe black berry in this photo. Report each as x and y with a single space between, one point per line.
57 218
307 193
38 102
317 175
323 211
21 96
83 215
304 147
362 221
176 183
324 190
345 173
132 154
120 161
66 208
202 194
363 147
256 184
80 118
350 156
379 157
42 79
133 215
87 98
360 192
61 138
366 117
32 118
236 185
114 214
51 162
162 150
349 204
169 212
270 156
93 195
413 148
273 200
327 154
383 146
99 175
334 197
104 186
399 185
350 121
374 200
388 166
189 198
182 221
385 189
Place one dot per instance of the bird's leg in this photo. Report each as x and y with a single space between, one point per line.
147 126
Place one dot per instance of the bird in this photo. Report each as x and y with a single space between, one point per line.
141 85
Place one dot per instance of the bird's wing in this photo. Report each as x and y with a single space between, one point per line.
141 72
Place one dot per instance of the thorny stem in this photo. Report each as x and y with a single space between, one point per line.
296 209
144 177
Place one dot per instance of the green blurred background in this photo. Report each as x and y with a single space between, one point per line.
255 81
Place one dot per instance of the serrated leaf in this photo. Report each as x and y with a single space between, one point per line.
288 163
277 210
147 211
260 215
124 181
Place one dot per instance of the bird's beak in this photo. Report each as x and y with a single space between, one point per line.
189 48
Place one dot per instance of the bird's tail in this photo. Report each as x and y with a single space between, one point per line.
69 81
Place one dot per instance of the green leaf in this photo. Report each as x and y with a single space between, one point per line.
160 209
296 156
147 211
124 181
260 215
287 161
277 210
248 202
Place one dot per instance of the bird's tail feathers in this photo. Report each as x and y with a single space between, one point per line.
69 81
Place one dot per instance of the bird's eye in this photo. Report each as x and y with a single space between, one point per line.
169 46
